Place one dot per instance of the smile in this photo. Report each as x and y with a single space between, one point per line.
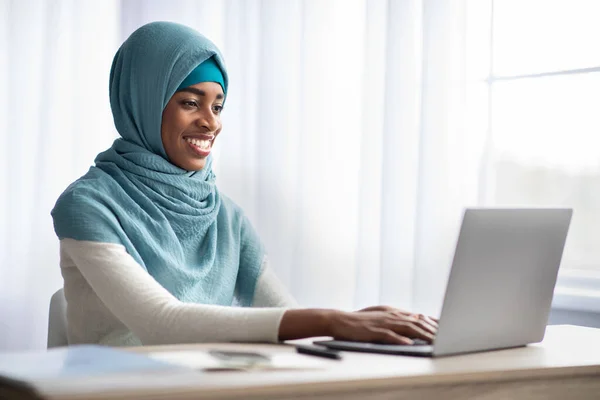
201 147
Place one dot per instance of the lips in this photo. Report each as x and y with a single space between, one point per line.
201 145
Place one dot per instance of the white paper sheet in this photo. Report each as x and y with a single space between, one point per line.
203 360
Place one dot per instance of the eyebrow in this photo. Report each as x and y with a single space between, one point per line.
199 92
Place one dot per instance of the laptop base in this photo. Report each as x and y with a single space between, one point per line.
396 349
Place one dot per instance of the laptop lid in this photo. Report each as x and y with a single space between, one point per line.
502 280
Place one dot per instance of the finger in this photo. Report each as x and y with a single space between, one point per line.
401 313
411 330
424 325
388 336
428 324
431 322
419 320
428 317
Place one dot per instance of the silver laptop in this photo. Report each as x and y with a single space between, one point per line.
500 287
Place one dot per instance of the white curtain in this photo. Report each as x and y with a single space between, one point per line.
54 118
344 139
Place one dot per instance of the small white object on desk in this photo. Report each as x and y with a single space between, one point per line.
204 360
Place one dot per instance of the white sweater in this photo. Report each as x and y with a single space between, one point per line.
112 300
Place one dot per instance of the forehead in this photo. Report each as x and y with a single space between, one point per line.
209 91
209 88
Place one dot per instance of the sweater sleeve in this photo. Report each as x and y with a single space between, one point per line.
152 313
270 292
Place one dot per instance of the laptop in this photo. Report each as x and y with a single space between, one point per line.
500 287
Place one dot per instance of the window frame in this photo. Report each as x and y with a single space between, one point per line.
576 289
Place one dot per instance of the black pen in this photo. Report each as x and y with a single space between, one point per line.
319 352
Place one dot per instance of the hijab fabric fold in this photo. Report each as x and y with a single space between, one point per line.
191 238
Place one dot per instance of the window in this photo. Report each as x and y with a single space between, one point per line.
543 125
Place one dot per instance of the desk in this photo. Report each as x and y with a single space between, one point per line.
565 365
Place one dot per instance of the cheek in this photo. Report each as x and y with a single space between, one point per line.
173 124
220 126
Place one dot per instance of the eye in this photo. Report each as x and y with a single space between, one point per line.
190 103
217 109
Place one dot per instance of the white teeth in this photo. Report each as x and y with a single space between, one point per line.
203 144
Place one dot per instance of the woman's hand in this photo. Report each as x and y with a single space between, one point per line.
431 320
381 324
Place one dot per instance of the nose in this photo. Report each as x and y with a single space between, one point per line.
208 121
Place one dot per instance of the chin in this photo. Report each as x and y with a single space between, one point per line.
195 165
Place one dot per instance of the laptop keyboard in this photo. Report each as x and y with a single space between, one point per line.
420 342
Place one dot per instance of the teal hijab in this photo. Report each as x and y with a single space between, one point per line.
190 237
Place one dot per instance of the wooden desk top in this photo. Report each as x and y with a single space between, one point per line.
566 351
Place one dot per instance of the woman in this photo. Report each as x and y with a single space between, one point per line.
151 252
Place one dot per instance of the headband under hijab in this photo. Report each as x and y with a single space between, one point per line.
208 71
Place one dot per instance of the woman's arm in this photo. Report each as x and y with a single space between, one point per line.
270 292
152 313
157 317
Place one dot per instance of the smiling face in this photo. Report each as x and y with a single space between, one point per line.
191 121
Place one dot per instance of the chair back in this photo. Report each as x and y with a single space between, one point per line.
57 320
